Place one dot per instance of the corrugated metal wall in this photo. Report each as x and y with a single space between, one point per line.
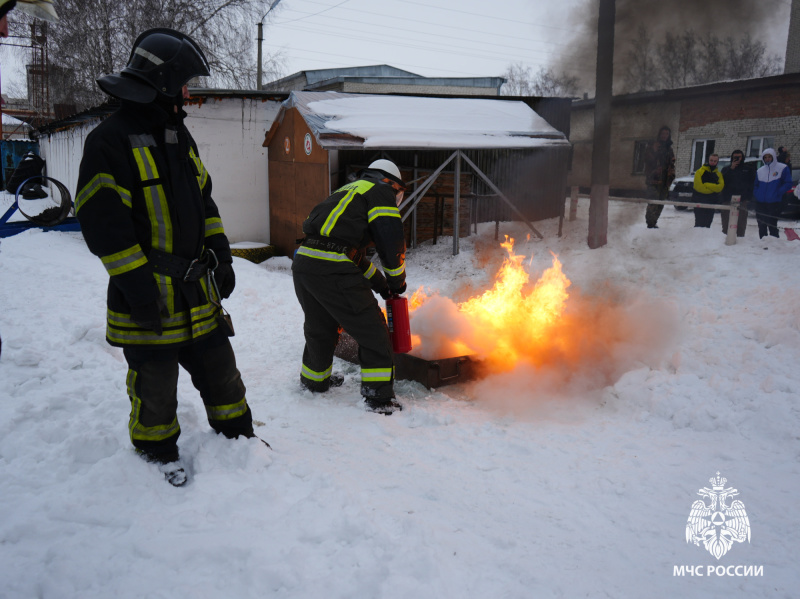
63 150
533 180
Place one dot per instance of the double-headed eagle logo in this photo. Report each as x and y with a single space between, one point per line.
714 522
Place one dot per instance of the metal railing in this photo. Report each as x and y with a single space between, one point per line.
736 201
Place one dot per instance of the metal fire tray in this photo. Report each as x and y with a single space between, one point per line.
431 373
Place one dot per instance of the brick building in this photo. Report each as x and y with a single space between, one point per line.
750 115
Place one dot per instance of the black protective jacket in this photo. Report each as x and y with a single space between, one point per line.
142 187
738 182
355 216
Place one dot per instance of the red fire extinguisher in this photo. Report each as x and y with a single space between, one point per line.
399 326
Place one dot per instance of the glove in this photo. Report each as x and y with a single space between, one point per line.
385 292
225 278
148 316
400 290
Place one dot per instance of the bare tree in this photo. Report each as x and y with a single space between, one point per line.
94 37
518 80
678 59
748 58
688 59
642 73
521 81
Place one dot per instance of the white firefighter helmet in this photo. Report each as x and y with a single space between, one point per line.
41 9
388 168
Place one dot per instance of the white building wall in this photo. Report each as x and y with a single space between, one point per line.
62 151
229 133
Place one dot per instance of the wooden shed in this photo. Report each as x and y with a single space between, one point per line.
470 160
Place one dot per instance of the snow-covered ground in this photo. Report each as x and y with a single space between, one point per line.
575 480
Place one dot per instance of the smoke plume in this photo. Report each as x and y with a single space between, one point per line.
765 20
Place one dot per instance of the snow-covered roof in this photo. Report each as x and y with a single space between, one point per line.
340 120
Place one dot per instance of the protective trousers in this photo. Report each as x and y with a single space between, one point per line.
331 301
153 390
653 211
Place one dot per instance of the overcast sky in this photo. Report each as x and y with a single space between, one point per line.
445 38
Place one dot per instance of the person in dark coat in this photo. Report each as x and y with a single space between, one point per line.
145 208
334 281
708 186
659 169
738 178
784 157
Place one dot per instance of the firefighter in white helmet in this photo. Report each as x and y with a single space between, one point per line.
41 9
334 281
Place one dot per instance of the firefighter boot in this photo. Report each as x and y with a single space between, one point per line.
387 407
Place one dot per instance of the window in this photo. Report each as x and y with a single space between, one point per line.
701 150
639 148
756 145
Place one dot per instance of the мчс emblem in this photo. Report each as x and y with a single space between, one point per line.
716 523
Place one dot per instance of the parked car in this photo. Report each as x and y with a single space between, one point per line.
683 187
790 206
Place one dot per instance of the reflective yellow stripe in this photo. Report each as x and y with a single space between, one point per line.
228 412
352 189
146 164
306 372
146 337
124 320
359 186
330 222
120 328
396 272
383 211
372 375
124 261
98 182
137 430
202 177
214 226
321 255
370 271
155 199
167 291
201 328
160 220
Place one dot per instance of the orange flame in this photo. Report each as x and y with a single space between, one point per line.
506 323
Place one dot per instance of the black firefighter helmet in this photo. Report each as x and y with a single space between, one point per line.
162 61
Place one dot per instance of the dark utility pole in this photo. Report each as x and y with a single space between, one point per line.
601 150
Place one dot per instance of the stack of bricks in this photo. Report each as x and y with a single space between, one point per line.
427 211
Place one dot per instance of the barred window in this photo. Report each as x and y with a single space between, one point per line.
639 148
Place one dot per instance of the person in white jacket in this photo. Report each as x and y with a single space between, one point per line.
772 181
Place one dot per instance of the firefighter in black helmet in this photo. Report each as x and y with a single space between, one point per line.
334 281
145 208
